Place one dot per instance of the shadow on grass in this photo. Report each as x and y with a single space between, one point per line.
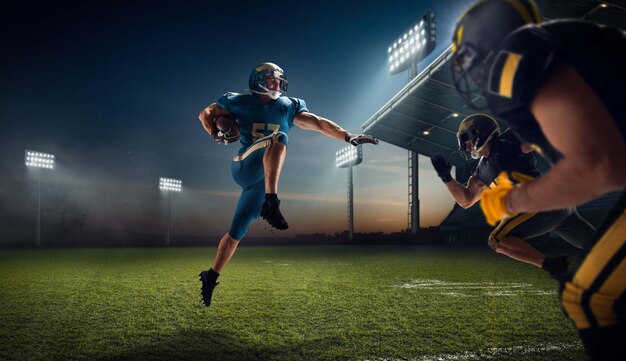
207 345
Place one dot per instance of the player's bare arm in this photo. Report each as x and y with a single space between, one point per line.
591 165
310 121
466 196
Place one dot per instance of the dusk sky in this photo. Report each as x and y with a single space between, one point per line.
114 91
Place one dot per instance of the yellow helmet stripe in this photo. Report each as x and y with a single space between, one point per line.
457 39
464 126
508 74
459 34
469 121
530 17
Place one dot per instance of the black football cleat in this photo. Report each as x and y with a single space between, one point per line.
271 213
207 288
556 266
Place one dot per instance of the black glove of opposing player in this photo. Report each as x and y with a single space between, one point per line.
356 139
221 137
442 166
556 266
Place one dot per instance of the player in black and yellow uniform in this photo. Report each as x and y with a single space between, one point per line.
479 137
559 83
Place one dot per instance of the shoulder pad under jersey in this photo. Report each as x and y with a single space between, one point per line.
520 66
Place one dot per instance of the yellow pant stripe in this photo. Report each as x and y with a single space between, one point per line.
601 253
507 225
508 74
572 297
601 302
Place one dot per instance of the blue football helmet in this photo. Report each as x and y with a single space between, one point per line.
257 80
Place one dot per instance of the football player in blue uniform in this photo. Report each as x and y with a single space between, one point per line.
264 116
479 137
560 85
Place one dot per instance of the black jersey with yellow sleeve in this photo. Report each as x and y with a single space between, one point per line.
530 54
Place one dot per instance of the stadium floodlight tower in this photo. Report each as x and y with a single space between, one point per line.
349 157
415 44
42 161
169 185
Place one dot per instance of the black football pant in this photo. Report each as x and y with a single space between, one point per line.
566 223
594 297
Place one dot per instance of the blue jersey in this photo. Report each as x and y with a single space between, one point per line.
257 119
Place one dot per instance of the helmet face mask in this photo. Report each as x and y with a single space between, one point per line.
463 140
468 73
263 75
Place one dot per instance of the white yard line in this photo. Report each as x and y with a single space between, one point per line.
477 287
488 354
455 294
494 289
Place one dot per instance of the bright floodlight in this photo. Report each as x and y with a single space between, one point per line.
349 156
39 160
413 45
168 184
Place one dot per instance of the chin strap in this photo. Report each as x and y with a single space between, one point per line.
268 92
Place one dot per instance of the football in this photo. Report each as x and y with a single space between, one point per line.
227 125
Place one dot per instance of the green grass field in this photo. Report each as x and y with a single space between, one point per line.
295 303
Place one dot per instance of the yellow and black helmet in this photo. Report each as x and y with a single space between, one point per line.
478 34
477 130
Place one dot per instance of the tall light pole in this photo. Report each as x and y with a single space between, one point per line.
349 157
413 46
42 161
169 185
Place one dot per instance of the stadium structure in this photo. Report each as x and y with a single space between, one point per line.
423 118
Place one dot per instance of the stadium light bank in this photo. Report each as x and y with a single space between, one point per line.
169 185
41 161
415 44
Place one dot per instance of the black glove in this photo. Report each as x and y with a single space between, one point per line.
356 139
556 266
442 166
221 137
